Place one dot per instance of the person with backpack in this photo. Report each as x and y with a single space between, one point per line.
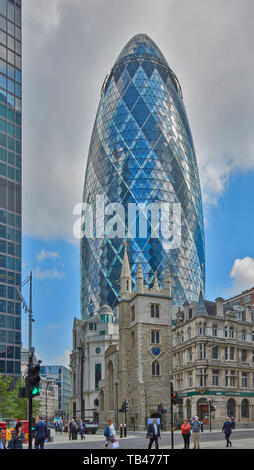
186 433
109 433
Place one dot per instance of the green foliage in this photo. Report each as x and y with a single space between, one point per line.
11 406
5 397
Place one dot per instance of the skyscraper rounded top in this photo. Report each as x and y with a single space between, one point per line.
141 45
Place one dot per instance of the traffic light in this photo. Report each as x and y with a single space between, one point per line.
33 427
33 381
125 406
175 399
212 407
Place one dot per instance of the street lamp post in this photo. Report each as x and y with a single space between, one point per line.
28 309
82 358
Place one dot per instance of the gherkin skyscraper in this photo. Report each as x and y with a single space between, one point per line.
142 152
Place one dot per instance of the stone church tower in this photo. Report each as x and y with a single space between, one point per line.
145 342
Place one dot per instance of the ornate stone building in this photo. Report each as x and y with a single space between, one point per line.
91 338
213 360
138 369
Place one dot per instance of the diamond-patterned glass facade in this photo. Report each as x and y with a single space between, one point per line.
141 152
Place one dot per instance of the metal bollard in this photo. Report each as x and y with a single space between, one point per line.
125 430
121 431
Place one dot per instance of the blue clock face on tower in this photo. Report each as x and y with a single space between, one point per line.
156 350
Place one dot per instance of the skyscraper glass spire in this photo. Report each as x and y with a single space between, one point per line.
10 185
142 152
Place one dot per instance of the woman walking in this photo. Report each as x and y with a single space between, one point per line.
109 433
186 433
18 436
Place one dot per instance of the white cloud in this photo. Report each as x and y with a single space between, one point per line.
46 254
242 274
48 274
69 47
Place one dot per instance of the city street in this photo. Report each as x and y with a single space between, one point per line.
241 439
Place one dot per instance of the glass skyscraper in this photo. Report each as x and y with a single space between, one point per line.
63 379
142 152
10 185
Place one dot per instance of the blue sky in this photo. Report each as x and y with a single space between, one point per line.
69 46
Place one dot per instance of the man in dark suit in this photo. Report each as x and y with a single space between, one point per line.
41 432
2 439
227 429
153 432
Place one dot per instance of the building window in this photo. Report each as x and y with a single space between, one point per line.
215 377
189 354
245 409
201 328
232 354
133 313
97 375
155 336
155 368
190 379
243 335
244 355
246 299
226 378
226 332
215 352
202 351
244 379
155 311
178 358
252 336
133 339
231 332
232 378
202 377
214 330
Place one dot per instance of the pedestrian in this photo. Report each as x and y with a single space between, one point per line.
73 429
18 436
186 433
41 434
196 433
82 428
2 439
233 422
61 427
109 433
153 433
227 429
